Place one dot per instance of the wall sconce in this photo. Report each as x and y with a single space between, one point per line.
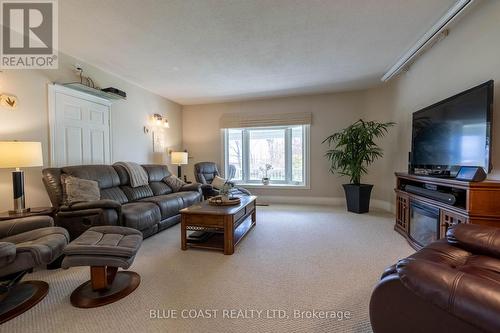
159 120
156 121
8 101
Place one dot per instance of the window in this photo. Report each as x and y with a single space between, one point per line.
278 152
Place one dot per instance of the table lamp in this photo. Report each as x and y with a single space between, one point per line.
179 158
15 154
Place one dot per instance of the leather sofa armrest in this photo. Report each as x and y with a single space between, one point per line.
195 187
388 271
474 299
478 239
7 253
79 213
78 221
103 204
17 226
83 213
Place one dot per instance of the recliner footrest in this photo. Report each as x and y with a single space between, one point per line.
103 246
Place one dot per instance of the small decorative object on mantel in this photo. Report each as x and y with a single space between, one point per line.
87 85
221 201
8 101
116 91
265 170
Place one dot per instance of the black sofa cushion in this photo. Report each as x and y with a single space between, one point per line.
140 215
160 188
114 193
137 193
189 198
156 174
105 175
169 204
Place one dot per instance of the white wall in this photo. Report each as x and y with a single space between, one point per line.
470 55
331 112
30 121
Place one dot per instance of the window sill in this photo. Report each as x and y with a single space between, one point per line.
274 186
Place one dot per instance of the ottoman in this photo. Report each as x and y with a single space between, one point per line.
104 249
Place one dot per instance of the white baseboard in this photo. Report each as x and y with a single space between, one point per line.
322 201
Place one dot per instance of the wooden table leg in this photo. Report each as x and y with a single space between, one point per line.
183 233
228 235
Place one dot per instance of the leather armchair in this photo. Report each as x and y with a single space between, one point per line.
451 285
205 172
194 187
26 243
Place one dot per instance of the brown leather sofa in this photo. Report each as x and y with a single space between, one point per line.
149 209
452 285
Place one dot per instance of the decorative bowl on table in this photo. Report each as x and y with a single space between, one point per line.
224 201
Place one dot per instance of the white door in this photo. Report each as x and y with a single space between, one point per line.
80 128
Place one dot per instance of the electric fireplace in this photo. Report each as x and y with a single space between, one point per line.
424 223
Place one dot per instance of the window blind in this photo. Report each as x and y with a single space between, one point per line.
242 120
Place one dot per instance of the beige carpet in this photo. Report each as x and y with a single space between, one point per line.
297 258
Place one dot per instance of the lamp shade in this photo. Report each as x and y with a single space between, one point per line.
15 154
179 157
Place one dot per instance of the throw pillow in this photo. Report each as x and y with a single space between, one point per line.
79 190
174 183
218 182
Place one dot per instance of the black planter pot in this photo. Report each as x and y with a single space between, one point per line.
358 197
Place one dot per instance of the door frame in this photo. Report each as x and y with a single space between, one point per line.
53 89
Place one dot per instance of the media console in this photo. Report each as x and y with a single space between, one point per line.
427 206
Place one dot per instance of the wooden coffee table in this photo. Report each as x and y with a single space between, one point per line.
227 225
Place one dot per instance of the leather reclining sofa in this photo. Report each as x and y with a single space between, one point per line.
451 285
149 208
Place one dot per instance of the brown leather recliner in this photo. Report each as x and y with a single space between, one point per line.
452 285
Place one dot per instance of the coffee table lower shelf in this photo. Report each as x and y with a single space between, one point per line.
216 241
227 225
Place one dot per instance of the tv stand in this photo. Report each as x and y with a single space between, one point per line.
476 202
433 173
442 175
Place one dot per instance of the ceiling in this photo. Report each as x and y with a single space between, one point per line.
204 51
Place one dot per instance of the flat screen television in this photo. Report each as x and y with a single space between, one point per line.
453 133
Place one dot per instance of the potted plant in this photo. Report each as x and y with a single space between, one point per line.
265 170
351 151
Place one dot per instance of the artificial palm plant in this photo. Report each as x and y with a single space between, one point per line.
351 151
